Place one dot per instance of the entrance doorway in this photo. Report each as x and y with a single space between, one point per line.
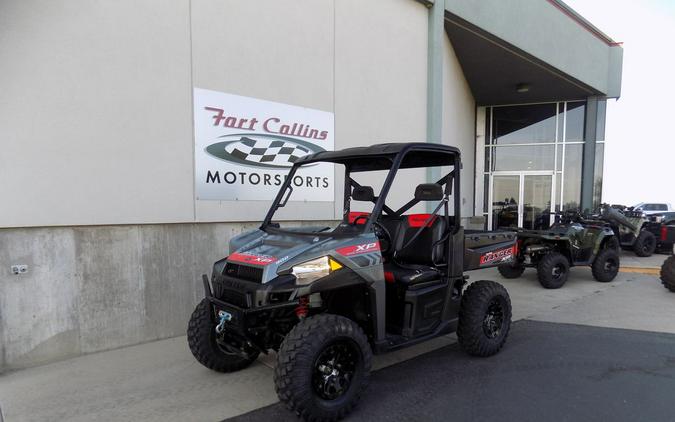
521 199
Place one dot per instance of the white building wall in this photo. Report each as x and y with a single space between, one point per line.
95 112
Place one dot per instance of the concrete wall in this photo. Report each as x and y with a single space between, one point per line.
97 288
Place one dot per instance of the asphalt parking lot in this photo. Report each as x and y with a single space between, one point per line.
585 352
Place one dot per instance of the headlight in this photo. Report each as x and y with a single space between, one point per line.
659 219
310 271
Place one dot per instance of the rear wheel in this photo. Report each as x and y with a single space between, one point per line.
553 270
645 244
606 265
511 270
668 274
201 336
323 367
484 318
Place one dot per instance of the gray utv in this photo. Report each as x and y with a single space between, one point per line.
325 299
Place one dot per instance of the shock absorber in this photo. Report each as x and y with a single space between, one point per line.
302 309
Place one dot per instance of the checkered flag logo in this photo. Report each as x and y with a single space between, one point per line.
266 151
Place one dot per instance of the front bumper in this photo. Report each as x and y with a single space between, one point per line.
241 315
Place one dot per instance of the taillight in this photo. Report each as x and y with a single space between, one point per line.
664 233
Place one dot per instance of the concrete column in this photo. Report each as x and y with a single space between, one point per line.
435 80
594 131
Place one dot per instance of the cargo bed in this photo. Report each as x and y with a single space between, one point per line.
484 249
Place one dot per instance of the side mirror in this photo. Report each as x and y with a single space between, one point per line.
363 193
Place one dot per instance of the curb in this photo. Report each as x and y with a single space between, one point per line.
641 270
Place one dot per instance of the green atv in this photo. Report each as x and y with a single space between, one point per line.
668 267
631 229
571 241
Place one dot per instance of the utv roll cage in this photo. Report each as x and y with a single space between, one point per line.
389 156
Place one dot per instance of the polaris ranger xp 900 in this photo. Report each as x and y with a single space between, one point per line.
326 298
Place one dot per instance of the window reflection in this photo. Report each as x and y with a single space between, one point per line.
524 124
536 157
572 185
575 122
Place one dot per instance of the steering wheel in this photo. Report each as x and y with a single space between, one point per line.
380 231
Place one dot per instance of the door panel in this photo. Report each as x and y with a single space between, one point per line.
505 200
536 200
521 199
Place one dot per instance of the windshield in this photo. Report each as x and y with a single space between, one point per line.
356 198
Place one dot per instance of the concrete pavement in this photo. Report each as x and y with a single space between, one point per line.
162 381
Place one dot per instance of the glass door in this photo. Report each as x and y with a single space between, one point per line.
521 199
505 200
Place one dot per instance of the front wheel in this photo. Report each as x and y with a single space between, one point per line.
484 318
606 265
511 270
323 367
553 270
645 244
201 337
668 274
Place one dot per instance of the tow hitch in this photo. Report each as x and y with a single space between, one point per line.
224 317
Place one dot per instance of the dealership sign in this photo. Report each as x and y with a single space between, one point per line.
244 148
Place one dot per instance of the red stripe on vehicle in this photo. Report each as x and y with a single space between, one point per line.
388 276
418 220
354 214
248 258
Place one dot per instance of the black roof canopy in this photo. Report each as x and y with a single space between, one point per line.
381 156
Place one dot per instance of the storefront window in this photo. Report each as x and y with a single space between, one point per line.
575 122
524 124
572 184
525 158
597 182
540 143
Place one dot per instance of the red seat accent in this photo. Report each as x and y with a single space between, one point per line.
354 214
417 220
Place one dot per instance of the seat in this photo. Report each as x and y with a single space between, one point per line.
415 262
409 274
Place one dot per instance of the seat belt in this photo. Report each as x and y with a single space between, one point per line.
426 222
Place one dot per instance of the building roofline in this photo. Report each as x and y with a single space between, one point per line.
583 22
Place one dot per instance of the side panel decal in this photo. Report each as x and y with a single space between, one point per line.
252 259
359 249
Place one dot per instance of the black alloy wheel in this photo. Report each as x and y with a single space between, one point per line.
484 318
494 319
335 368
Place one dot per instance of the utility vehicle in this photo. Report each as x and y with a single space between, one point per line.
668 267
571 241
658 225
327 298
631 228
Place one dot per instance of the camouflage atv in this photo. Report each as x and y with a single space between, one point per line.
668 267
571 241
631 229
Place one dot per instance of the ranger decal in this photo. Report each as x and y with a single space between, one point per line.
500 255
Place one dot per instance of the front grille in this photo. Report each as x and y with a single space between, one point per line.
244 272
234 297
